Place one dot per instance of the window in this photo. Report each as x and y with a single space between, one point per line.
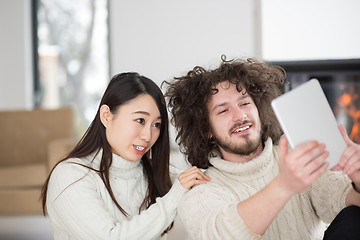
72 56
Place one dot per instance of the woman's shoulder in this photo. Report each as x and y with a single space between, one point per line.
70 171
73 166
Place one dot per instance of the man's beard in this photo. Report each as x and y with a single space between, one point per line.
243 149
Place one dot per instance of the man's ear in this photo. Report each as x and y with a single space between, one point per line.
105 115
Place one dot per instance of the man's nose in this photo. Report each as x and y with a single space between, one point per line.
239 115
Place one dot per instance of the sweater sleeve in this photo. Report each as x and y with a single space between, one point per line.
76 206
328 194
209 214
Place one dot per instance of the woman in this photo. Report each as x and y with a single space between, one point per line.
115 184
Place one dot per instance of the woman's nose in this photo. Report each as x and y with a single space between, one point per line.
146 134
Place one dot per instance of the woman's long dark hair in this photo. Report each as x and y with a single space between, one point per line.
121 89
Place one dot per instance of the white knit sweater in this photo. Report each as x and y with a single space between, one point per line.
209 211
80 207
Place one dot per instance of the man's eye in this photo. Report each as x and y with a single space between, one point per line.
140 120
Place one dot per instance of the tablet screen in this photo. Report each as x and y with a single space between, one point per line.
305 114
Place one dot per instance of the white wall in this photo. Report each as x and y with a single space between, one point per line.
16 78
165 38
310 30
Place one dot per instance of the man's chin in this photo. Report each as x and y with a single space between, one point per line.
244 147
248 148
245 152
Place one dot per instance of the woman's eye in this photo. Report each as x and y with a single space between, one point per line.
157 125
140 120
244 104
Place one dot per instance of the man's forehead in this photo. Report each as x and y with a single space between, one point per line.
226 95
226 85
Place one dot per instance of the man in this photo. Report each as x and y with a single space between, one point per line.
259 188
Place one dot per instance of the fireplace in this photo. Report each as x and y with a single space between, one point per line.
340 80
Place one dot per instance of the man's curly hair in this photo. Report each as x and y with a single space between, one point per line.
189 95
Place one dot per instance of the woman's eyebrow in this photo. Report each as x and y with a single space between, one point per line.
144 113
141 112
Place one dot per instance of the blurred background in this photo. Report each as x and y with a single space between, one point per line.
62 53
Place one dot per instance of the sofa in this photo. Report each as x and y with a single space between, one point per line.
31 142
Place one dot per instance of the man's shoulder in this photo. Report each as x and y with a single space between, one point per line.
202 201
207 194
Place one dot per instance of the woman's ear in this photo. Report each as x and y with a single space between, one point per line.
105 115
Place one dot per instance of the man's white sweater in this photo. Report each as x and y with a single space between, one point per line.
209 211
80 207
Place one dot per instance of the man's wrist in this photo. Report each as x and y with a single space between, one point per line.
355 187
282 190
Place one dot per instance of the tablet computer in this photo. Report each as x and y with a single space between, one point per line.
305 114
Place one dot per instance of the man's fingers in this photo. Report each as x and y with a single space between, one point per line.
307 150
316 162
318 172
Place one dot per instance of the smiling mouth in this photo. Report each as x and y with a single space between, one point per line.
242 128
139 148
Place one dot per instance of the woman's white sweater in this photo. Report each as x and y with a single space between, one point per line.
209 211
80 207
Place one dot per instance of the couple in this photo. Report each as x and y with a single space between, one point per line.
116 184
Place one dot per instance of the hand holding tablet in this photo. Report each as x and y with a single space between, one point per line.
305 114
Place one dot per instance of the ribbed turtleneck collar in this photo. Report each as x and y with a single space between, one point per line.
253 167
119 167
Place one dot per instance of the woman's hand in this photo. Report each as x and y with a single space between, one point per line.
191 177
